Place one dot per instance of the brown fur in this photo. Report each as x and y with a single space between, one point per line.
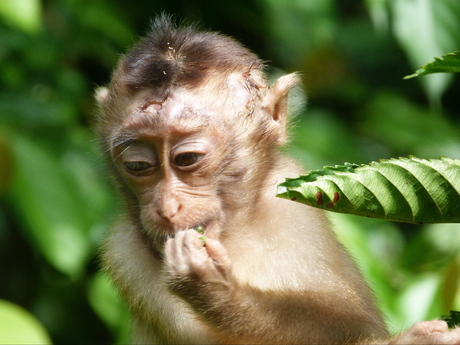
269 270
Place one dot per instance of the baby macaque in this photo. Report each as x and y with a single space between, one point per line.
204 252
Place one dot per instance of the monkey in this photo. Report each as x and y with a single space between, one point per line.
203 252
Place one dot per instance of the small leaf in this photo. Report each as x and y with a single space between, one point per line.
407 189
449 63
453 319
425 29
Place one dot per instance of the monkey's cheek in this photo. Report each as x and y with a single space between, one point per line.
212 229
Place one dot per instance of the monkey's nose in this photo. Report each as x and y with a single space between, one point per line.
169 209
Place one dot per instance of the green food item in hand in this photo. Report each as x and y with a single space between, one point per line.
200 229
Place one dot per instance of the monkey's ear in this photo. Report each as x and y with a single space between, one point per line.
101 95
275 103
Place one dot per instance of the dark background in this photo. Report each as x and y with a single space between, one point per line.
55 197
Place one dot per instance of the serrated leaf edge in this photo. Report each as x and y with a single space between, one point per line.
422 70
374 166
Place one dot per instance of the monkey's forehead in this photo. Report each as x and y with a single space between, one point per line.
182 112
177 104
231 98
215 105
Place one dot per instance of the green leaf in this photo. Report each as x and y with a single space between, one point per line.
106 301
449 63
51 212
379 14
22 14
425 29
19 326
453 319
109 306
409 190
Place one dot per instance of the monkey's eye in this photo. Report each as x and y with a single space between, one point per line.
138 158
186 159
138 168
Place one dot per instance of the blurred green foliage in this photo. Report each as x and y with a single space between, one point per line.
55 197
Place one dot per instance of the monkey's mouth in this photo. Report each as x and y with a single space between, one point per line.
208 229
161 234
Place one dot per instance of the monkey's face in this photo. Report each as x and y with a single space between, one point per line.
170 154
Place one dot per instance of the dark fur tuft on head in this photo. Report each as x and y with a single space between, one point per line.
173 55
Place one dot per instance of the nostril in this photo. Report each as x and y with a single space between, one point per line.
169 209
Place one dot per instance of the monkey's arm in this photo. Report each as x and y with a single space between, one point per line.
202 276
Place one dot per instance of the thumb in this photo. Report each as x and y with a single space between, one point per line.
218 253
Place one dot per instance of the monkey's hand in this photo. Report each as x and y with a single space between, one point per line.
196 268
429 332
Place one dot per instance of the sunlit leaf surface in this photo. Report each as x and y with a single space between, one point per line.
407 189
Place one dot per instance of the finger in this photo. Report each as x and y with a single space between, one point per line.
218 253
